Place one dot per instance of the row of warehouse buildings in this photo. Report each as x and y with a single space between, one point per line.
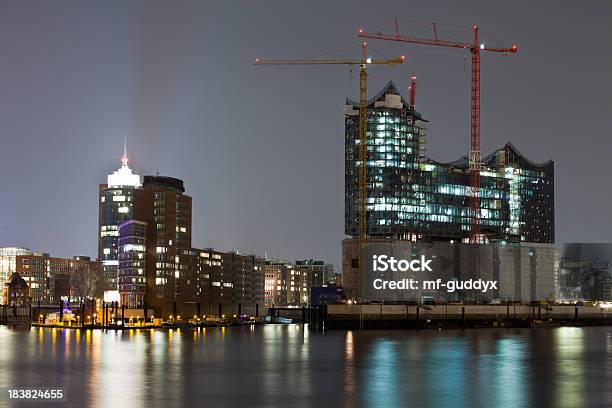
212 278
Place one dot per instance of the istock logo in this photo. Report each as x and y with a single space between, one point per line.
383 263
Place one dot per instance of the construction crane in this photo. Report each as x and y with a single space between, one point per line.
474 156
363 75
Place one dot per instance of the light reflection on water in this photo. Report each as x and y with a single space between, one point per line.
289 365
569 371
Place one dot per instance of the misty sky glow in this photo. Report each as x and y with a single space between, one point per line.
261 148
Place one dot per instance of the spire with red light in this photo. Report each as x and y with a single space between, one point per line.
123 177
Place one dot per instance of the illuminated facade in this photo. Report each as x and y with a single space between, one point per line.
8 264
289 284
153 245
275 283
320 273
227 280
116 204
16 291
164 206
246 274
410 196
132 280
50 278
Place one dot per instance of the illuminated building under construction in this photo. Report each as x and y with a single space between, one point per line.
412 197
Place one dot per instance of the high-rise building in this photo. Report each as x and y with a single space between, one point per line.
168 239
410 196
116 204
153 240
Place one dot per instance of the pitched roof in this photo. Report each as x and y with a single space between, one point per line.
15 280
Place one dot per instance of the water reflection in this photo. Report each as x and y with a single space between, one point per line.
289 365
384 372
569 374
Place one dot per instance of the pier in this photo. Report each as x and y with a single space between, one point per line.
381 316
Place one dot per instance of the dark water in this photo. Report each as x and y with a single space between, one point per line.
291 366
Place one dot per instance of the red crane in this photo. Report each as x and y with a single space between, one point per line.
474 156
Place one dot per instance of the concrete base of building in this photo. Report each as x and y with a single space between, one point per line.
522 271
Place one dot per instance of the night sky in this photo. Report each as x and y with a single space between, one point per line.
261 149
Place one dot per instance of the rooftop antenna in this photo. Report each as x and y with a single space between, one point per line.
124 159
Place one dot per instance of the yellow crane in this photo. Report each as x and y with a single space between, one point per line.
363 75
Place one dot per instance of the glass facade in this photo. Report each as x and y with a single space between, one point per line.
410 196
116 205
132 279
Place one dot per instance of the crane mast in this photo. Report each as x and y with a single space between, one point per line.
363 149
474 155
